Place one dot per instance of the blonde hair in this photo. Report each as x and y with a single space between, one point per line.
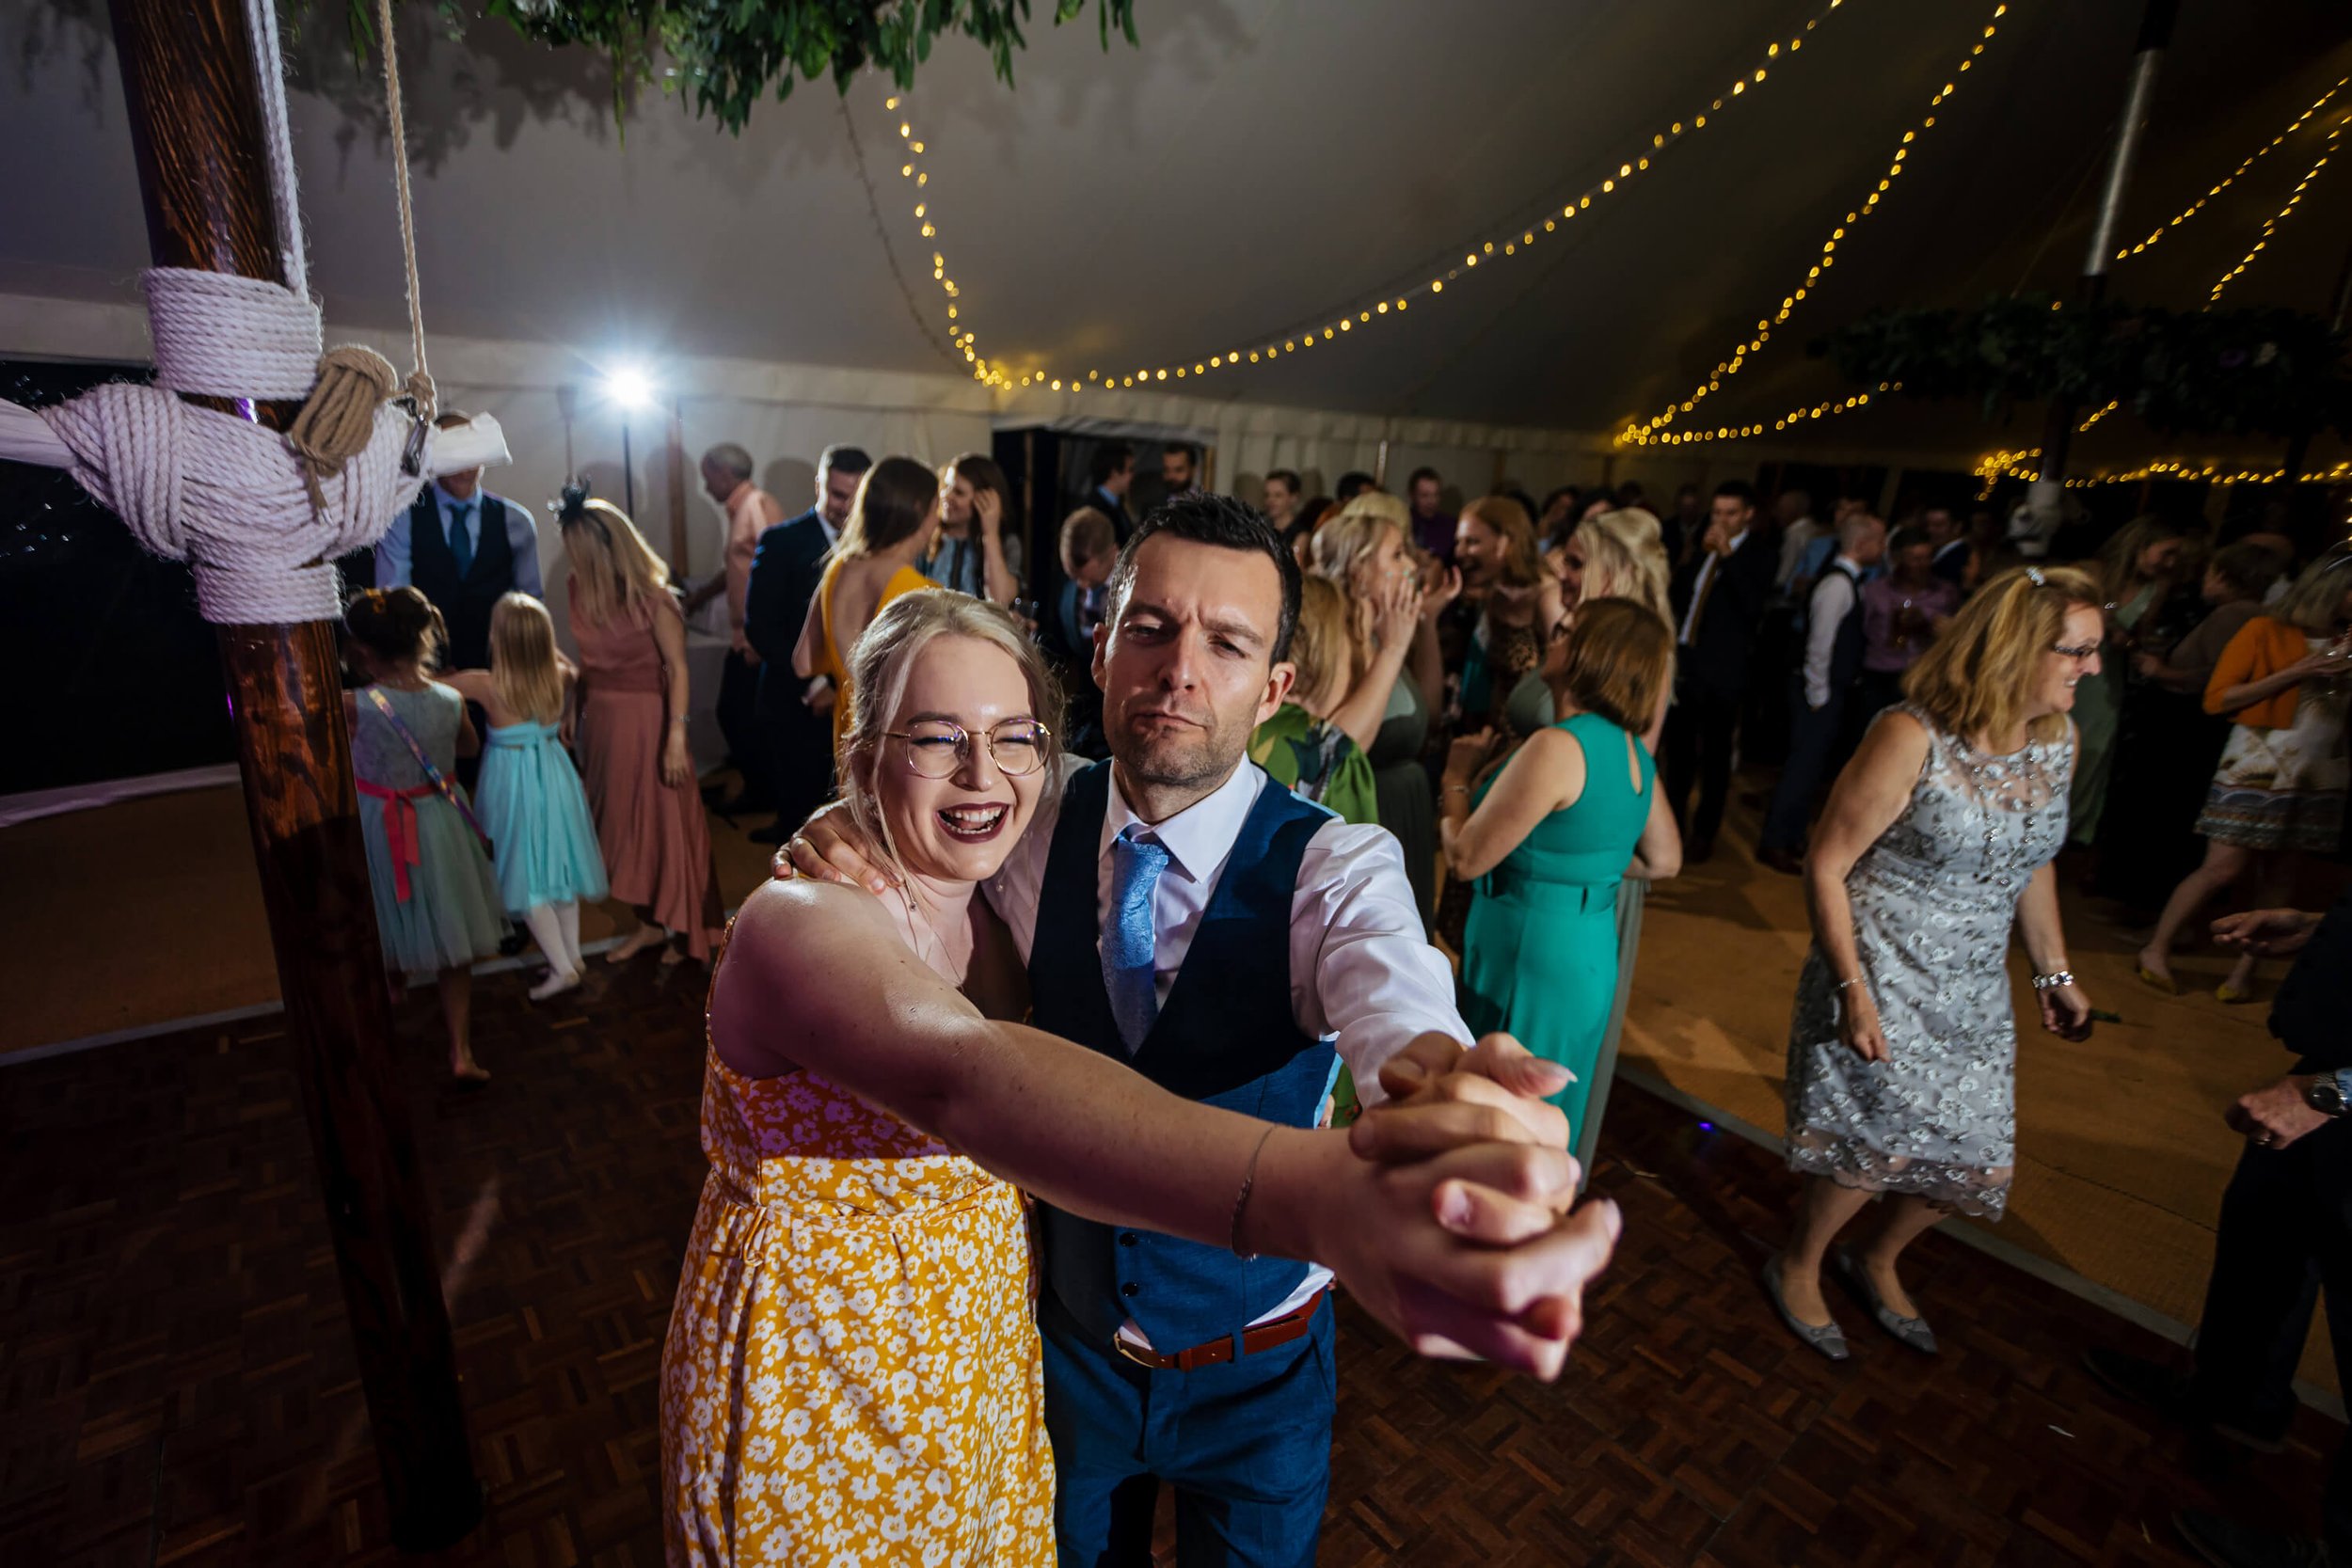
1346 543
1977 677
1624 559
882 661
1323 648
2310 605
1522 567
613 570
523 670
1618 658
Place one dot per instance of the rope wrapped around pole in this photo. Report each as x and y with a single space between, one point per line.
260 516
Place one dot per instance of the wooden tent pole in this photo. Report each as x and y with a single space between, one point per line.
195 126
2155 36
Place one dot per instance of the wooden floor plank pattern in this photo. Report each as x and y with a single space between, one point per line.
176 1385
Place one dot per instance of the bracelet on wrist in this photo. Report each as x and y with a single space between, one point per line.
2056 979
1241 1199
1844 986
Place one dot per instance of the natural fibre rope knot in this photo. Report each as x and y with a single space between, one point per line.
260 520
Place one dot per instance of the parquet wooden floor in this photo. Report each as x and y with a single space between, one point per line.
176 1385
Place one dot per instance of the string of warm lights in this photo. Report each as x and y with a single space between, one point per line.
1993 466
2270 224
1513 241
2236 174
1333 327
1641 432
960 333
1825 410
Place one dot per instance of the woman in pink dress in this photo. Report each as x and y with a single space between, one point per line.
633 757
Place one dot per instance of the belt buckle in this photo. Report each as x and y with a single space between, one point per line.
1151 1360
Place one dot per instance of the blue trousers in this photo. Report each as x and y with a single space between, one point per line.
1246 1445
1812 753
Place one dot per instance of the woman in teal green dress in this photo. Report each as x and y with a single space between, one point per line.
1547 837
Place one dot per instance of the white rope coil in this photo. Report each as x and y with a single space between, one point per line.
218 335
225 494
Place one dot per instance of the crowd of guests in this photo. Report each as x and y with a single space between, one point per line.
1401 772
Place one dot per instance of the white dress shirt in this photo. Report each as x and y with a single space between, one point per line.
1698 585
1360 964
1833 601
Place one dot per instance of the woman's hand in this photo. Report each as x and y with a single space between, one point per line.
2148 666
989 507
2065 1012
678 764
1439 595
1395 611
1441 1097
1858 1028
1468 753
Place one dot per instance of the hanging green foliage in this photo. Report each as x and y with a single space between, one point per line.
2270 372
726 55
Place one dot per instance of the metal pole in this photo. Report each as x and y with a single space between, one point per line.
629 473
196 129
2155 35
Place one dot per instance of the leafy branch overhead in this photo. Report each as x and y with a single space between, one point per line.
728 54
2271 373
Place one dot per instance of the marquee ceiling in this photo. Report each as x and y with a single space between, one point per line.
1254 168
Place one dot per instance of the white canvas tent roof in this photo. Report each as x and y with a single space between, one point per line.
1249 169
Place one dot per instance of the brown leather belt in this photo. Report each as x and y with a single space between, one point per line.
1263 1336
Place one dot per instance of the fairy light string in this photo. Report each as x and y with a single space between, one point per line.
1654 430
2157 234
1501 243
2271 224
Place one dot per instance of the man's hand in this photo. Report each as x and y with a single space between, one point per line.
2275 1115
2266 933
830 848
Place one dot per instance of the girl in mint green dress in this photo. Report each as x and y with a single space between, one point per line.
1545 838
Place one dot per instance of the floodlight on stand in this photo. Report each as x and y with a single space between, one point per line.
629 386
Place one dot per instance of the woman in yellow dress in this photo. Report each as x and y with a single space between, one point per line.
892 524
852 1371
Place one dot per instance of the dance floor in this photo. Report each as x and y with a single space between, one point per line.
2122 1152
177 1387
147 913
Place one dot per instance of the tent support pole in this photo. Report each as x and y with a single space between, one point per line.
195 112
2155 36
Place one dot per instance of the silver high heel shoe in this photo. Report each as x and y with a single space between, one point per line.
1913 1332
1827 1338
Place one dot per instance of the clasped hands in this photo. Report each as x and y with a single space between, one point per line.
1452 1214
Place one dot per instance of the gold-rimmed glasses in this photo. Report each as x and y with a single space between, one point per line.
938 747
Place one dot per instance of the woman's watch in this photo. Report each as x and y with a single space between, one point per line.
2325 1095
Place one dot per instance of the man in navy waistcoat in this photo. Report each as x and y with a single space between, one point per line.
1235 945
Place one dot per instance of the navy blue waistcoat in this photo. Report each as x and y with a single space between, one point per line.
1845 654
1225 1038
466 602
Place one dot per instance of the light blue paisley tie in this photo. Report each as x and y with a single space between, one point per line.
1129 941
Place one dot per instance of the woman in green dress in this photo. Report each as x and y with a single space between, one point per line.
1547 836
1364 552
1314 744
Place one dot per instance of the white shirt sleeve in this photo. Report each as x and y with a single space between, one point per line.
1832 601
1362 965
522 537
392 555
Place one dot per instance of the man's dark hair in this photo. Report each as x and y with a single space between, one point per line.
1353 483
1907 538
843 460
1630 493
1739 489
1289 477
1204 518
1109 458
1421 474
1181 449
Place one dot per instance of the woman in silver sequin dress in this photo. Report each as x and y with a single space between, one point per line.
1938 837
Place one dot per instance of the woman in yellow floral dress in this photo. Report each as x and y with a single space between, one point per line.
852 1372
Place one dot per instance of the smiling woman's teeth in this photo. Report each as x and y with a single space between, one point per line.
972 821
